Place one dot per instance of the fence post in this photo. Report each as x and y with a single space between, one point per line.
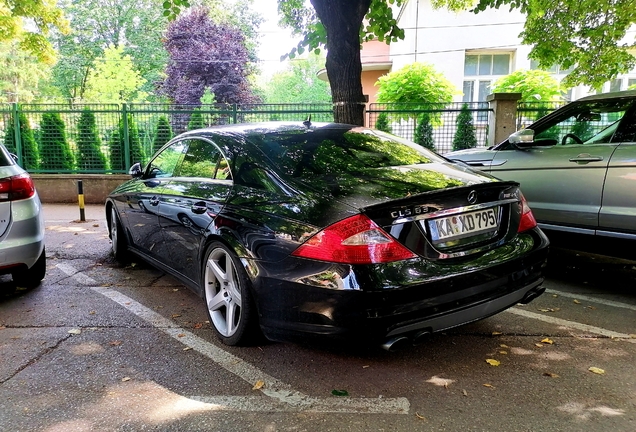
17 136
234 113
127 158
503 121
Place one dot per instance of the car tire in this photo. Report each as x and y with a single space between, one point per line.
119 244
32 277
228 298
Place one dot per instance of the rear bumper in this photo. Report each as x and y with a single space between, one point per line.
23 242
382 303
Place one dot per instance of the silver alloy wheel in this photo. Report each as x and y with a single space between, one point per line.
223 292
113 229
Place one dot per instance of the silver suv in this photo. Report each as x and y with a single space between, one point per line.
21 224
576 166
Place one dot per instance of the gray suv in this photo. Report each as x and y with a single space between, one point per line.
576 166
21 224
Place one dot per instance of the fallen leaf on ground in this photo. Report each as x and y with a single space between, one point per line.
187 348
576 301
591 307
496 333
539 345
2 327
547 341
503 346
339 392
464 392
75 331
198 325
258 385
175 289
175 316
503 352
365 366
115 343
419 416
489 386
550 374
92 313
181 335
493 362
632 336
596 370
554 295
124 379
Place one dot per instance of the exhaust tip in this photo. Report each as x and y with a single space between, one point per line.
396 343
532 295
422 337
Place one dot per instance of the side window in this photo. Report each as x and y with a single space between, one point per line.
203 159
164 164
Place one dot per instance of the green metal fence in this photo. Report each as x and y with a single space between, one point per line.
435 127
108 138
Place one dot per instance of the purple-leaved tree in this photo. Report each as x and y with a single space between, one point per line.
203 54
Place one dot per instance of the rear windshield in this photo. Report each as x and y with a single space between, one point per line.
341 160
5 157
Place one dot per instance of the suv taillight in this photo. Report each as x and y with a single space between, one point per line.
355 240
527 218
16 188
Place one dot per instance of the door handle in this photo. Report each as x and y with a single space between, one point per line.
153 201
584 158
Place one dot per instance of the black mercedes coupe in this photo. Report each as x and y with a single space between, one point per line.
300 230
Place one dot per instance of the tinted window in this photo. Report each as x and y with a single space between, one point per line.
203 159
164 164
591 123
344 161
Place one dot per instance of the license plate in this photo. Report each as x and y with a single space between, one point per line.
464 225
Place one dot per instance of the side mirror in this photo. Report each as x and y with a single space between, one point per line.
524 136
135 171
524 139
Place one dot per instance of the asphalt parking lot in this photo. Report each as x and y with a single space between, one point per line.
102 347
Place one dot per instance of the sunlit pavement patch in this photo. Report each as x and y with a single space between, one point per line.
281 397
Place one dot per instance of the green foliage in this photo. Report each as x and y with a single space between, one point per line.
89 144
117 145
379 22
416 86
465 134
30 154
534 85
29 22
20 74
114 79
299 83
424 132
55 152
163 134
587 35
196 120
382 123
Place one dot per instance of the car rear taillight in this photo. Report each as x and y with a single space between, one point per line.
16 188
355 240
527 218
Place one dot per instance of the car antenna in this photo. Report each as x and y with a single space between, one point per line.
307 122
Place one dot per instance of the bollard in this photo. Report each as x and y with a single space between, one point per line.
80 198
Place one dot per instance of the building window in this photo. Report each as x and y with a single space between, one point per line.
480 70
556 69
631 83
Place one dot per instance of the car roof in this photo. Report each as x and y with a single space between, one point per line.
247 129
606 96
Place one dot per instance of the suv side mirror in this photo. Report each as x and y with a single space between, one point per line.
525 138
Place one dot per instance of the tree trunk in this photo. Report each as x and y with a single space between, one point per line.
342 20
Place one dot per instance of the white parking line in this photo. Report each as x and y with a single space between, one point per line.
283 397
592 299
571 324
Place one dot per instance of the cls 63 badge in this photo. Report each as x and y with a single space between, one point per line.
413 211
